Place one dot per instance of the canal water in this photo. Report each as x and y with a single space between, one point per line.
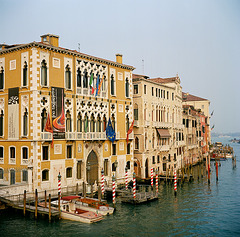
199 209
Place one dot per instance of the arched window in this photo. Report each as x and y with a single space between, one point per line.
92 124
128 165
12 152
45 175
1 78
25 74
145 140
68 83
153 141
68 122
85 80
112 85
104 123
25 153
79 78
135 112
127 88
25 123
1 123
86 124
44 73
127 123
136 143
98 123
69 172
43 119
79 123
113 122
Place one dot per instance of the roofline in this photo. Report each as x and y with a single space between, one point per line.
66 51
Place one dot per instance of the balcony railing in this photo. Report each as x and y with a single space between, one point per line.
164 148
147 123
46 136
87 92
136 123
1 160
70 135
91 136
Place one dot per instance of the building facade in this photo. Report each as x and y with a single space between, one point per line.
158 129
55 104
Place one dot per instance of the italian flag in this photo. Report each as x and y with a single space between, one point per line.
91 83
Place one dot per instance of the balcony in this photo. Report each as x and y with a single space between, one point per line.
91 136
163 125
136 123
70 135
164 148
46 136
131 136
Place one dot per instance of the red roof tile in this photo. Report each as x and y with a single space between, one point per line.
189 97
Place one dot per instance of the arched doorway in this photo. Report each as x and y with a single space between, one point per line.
12 177
146 168
92 168
137 168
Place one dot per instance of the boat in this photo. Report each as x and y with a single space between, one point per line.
70 211
94 205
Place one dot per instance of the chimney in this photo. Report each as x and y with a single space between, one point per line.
119 58
50 39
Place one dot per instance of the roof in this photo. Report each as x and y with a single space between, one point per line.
189 97
68 198
64 50
137 76
165 80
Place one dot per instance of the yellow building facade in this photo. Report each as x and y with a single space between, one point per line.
75 95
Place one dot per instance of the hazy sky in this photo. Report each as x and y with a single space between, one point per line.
199 40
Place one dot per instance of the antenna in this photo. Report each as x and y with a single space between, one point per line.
79 47
143 66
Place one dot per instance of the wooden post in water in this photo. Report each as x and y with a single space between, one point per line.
45 204
99 192
59 204
198 171
216 170
188 173
36 202
202 170
91 190
24 202
77 189
209 173
49 207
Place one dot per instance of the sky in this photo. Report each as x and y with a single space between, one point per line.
198 40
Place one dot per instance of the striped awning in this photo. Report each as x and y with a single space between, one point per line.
163 132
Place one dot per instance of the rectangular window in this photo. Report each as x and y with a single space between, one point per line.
1 151
24 176
79 169
156 92
135 89
145 89
25 153
167 95
1 79
128 148
69 172
105 167
152 91
135 114
158 159
45 175
114 149
12 152
1 123
45 152
69 151
172 96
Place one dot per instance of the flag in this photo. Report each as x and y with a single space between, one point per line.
97 85
48 127
212 127
86 125
130 130
91 83
212 113
110 133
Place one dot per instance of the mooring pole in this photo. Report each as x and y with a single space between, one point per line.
175 183
113 190
59 204
216 170
77 189
49 207
36 202
45 199
99 193
24 202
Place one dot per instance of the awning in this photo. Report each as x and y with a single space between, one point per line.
163 132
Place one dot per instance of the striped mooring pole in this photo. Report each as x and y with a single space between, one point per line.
126 178
175 182
156 182
151 177
113 190
59 184
134 185
102 186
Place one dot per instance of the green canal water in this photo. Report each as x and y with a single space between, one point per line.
199 209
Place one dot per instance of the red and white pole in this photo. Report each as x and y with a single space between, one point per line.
126 178
102 184
134 185
151 177
156 182
175 182
113 190
59 184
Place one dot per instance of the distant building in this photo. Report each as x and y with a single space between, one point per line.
158 129
75 94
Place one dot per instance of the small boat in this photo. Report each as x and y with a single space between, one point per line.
94 205
70 211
